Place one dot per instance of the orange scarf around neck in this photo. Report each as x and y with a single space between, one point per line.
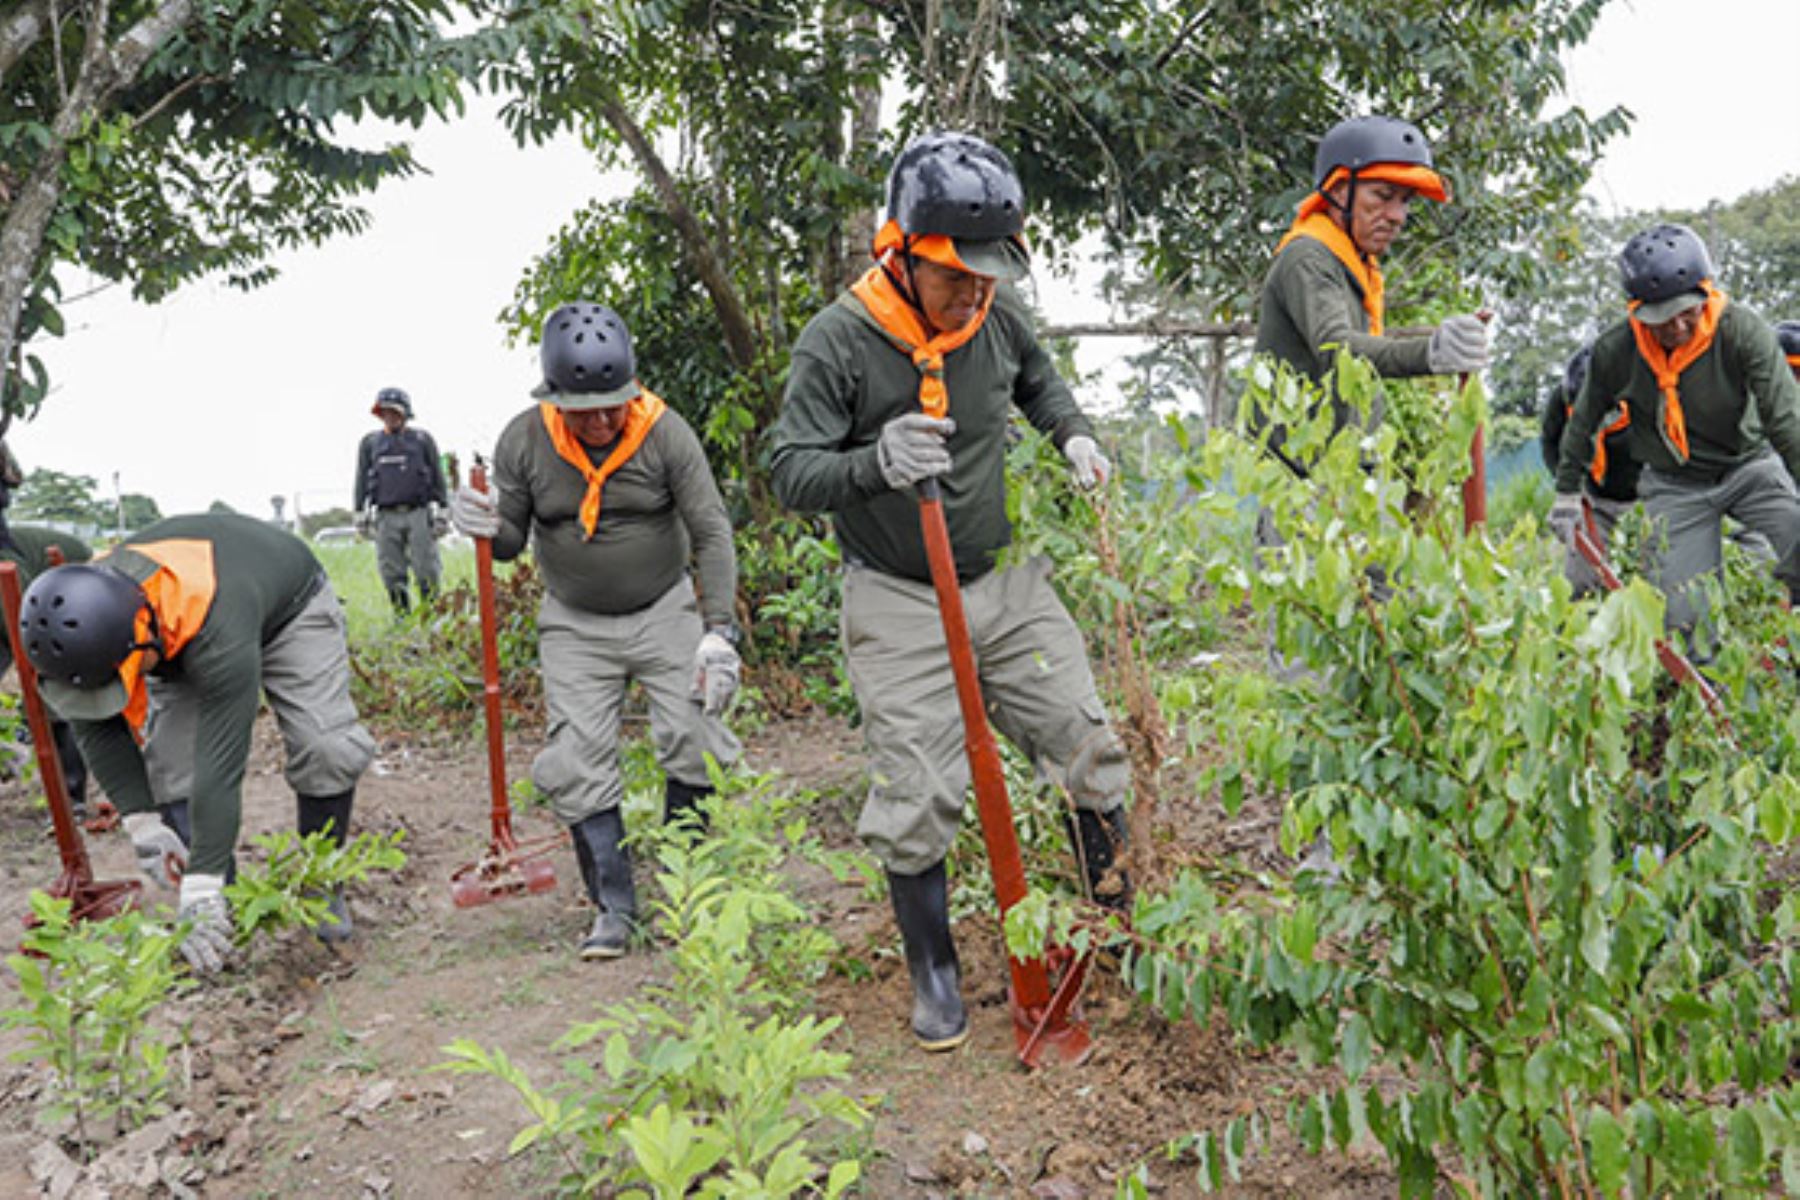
180 594
1667 367
1321 228
1622 421
641 415
905 328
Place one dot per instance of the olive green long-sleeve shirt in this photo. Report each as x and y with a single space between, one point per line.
847 380
656 511
263 578
1738 398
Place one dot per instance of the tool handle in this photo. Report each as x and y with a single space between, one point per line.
500 813
69 844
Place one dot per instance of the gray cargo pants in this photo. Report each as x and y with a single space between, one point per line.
588 661
1686 521
1035 681
403 539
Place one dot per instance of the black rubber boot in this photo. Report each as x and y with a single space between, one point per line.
313 814
681 804
1099 840
606 870
401 599
922 909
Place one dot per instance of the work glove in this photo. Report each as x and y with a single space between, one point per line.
476 514
364 521
1091 467
1459 344
912 448
440 520
208 943
716 666
161 854
1565 516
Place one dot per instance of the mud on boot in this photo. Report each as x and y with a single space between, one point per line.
922 910
606 871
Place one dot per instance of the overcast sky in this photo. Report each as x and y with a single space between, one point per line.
217 394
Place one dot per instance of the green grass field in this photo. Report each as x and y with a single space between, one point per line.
358 584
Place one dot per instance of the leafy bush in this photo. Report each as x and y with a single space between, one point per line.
712 1084
89 988
290 888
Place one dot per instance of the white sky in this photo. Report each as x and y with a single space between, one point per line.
217 394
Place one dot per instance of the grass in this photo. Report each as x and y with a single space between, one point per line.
357 581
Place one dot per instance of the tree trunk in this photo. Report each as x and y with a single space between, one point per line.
865 130
104 71
20 31
740 340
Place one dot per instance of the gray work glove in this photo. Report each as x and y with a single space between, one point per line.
440 520
1459 344
716 666
208 943
912 448
161 854
1091 466
1565 516
364 521
476 514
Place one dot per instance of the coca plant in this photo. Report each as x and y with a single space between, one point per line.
1545 954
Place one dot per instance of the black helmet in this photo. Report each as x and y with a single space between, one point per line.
960 187
78 623
1364 141
391 397
587 358
1575 373
1662 269
1789 333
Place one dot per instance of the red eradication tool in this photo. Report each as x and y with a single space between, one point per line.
510 867
89 899
1047 1023
1588 545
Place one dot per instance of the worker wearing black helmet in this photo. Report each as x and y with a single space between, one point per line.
1714 417
913 374
400 499
1325 293
612 488
160 654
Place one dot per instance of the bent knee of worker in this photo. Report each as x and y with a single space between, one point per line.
579 778
909 834
327 762
1095 767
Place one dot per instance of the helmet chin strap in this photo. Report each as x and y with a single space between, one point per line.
1347 212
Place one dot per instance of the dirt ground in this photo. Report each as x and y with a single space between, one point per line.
307 1070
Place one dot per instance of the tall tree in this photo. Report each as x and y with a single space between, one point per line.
154 142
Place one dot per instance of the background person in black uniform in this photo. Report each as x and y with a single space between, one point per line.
400 499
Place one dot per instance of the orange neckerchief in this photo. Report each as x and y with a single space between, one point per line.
1623 420
905 328
1794 361
180 593
1668 367
1321 228
642 412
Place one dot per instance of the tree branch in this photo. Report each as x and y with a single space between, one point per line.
20 30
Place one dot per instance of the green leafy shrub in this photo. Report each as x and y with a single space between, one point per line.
1547 954
88 990
289 889
714 1083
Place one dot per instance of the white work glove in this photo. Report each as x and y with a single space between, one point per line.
364 521
1565 516
716 666
476 514
912 448
1091 467
1459 344
208 943
440 520
161 854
